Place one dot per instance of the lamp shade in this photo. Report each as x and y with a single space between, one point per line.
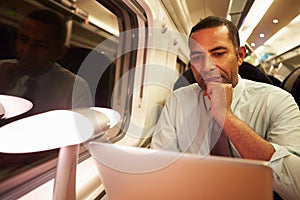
11 106
54 129
2 111
45 131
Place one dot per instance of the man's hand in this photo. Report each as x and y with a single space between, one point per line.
220 95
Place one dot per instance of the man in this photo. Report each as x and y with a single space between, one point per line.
34 74
254 120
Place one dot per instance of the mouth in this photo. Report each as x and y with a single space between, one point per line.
26 62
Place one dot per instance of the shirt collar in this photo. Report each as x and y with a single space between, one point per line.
43 79
238 91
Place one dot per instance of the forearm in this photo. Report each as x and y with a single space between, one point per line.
248 143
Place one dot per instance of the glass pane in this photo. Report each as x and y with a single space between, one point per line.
32 48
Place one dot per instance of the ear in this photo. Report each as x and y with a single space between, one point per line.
63 51
241 54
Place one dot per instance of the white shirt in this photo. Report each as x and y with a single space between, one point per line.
270 111
57 89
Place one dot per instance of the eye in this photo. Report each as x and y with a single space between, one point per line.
43 44
22 38
219 54
197 58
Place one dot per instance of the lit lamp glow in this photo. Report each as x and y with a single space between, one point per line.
62 129
11 106
2 111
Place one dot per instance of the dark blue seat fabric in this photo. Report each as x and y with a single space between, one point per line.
275 80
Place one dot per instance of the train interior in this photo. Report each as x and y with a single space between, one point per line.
131 52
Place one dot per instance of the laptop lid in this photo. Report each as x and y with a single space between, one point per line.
140 173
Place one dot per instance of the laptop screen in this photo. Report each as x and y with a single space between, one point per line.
140 173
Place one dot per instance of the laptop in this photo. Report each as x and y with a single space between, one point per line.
140 173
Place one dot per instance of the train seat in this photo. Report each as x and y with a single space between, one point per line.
292 84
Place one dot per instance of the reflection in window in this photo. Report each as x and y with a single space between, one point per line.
84 36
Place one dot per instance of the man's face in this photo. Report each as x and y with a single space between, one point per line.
36 46
213 56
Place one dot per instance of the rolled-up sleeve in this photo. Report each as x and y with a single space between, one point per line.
286 168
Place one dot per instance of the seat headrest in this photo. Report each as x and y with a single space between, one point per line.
289 81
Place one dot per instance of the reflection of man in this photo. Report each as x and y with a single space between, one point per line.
256 120
35 75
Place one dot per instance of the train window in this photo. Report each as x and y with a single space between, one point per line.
97 32
180 66
251 57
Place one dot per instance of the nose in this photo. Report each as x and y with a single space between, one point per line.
208 66
27 48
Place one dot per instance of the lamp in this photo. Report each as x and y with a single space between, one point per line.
11 106
64 129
